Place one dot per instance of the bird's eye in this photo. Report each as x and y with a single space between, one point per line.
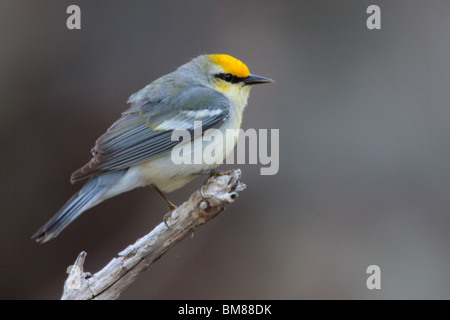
228 77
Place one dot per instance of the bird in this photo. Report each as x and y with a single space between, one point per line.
135 151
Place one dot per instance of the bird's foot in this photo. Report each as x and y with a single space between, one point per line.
212 173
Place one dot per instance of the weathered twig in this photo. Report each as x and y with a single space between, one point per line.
121 271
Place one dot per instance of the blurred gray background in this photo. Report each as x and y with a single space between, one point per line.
364 146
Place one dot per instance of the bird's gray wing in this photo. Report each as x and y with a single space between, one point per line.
145 132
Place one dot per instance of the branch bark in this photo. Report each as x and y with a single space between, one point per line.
122 270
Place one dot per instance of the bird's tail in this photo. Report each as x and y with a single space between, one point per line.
90 195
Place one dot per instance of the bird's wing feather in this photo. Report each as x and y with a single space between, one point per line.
145 132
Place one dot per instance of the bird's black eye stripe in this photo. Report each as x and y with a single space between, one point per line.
228 77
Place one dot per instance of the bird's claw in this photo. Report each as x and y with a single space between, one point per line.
213 173
168 215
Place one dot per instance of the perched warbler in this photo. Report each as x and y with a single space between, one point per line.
136 150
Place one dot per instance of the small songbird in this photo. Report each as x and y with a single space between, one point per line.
136 150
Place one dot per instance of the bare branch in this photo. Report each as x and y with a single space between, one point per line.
122 270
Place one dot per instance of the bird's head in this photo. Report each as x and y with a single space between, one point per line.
224 73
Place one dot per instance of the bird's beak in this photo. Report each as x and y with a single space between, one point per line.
254 79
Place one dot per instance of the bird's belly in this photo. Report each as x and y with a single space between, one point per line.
165 174
168 175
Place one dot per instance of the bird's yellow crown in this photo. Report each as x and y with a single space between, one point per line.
230 65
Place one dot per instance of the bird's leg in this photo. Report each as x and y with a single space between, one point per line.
211 173
169 204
